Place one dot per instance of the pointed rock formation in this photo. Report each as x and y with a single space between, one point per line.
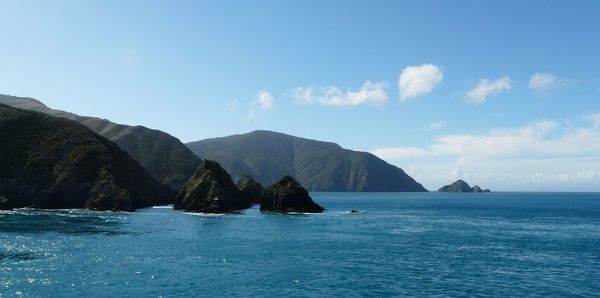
210 190
288 195
250 189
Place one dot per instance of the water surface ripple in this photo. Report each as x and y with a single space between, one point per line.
428 244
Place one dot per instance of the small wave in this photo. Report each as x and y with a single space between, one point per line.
354 213
205 214
163 207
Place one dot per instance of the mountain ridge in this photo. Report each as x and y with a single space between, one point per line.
162 155
320 166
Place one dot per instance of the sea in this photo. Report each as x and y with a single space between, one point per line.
399 244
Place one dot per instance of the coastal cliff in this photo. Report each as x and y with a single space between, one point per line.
51 162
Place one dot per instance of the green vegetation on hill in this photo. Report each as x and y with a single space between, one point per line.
163 156
319 166
52 162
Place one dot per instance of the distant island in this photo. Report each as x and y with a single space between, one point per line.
461 186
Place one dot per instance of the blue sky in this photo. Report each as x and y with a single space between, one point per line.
502 93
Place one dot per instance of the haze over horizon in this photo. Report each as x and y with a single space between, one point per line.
444 90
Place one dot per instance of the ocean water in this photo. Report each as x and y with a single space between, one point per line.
426 244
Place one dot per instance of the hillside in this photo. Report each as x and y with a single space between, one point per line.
163 156
319 166
51 162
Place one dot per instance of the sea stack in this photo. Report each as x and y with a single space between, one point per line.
250 189
210 190
461 186
288 195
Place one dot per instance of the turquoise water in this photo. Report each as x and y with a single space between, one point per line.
498 244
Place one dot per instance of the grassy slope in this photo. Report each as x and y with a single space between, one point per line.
319 166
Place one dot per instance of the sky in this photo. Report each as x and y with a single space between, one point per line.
504 94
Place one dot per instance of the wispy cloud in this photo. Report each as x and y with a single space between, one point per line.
533 139
264 99
419 80
539 153
542 81
486 88
434 126
251 115
370 93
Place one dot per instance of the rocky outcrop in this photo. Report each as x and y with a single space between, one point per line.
210 190
288 195
461 186
250 189
51 162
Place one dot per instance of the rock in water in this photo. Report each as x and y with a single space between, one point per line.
250 189
461 186
476 188
210 190
288 195
51 162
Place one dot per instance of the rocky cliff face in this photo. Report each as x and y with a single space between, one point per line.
51 162
250 189
288 195
210 190
163 156
461 186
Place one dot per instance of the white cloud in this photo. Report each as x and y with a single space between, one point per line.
594 119
486 88
532 139
548 174
542 81
544 155
434 126
264 100
419 80
369 93
251 115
